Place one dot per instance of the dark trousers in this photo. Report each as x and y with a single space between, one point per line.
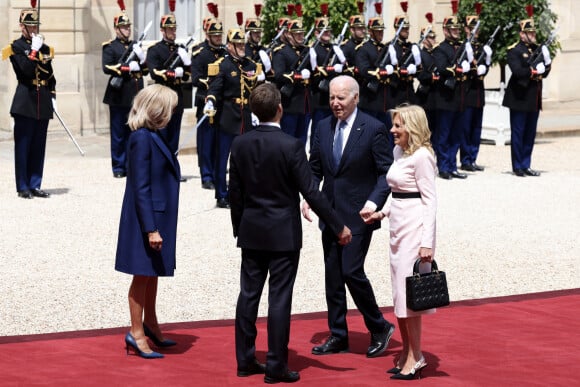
255 267
472 137
295 125
344 265
450 128
224 144
29 151
432 121
385 118
317 116
523 134
206 153
173 130
120 132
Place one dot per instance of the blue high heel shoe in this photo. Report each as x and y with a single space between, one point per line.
130 342
165 343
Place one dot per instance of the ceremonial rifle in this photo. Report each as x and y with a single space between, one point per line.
128 56
330 60
382 61
450 82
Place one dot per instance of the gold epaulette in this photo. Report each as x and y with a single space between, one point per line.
51 52
214 68
259 69
194 53
7 52
513 45
359 46
276 49
107 42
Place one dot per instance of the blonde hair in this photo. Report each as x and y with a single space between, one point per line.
414 119
152 108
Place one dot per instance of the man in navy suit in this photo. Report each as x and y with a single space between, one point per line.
351 155
268 171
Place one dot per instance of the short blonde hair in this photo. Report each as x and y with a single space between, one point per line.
416 124
152 108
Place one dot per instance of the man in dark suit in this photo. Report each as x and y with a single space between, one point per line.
352 155
268 170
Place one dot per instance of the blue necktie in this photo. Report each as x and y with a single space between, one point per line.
338 142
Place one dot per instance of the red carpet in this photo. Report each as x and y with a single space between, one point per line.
527 340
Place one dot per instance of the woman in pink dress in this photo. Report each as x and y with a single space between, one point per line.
411 212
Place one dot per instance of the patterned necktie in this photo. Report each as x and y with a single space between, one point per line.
338 143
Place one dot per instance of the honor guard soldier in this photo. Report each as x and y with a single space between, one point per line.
454 66
233 78
292 77
529 63
375 96
428 76
124 61
207 52
170 65
358 33
325 66
475 97
409 58
253 28
32 105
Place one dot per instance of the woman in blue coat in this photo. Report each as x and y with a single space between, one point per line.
147 230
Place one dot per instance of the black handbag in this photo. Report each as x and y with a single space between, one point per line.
426 290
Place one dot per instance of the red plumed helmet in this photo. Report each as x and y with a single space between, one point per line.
530 10
379 8
240 18
404 6
298 8
361 6
290 9
478 6
258 9
120 2
454 6
33 4
324 9
429 17
172 6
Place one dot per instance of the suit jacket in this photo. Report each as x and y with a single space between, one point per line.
361 174
268 170
150 203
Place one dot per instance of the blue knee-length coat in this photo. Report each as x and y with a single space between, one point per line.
150 203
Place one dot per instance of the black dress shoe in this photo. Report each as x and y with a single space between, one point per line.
394 370
207 185
445 175
119 175
332 345
380 341
468 167
531 172
222 203
477 167
253 369
287 377
519 172
39 193
458 175
25 194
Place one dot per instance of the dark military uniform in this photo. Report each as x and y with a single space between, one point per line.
252 51
31 109
404 90
426 93
202 56
159 58
451 90
114 56
296 95
348 48
232 81
523 96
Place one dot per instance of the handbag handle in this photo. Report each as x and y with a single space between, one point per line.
434 267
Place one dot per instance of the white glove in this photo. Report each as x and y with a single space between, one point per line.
412 69
313 56
255 120
261 77
540 68
546 54
488 51
465 66
54 107
208 107
416 54
185 58
339 54
37 41
393 55
469 52
481 69
139 52
265 60
389 69
178 72
305 74
338 68
134 66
